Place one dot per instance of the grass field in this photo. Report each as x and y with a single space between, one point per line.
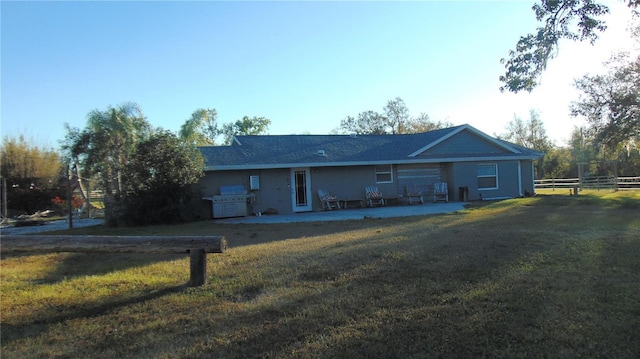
550 276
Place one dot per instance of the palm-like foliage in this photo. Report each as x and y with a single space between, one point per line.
107 142
202 128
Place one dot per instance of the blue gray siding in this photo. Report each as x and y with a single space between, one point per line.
464 143
465 174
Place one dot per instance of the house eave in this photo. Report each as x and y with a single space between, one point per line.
367 163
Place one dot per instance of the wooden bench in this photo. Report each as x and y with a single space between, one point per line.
196 246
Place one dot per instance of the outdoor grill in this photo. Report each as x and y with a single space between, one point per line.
231 202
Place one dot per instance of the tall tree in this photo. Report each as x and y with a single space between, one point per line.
530 134
105 144
423 123
611 103
202 128
395 119
396 115
245 126
367 122
557 163
561 19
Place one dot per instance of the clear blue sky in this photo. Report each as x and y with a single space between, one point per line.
304 65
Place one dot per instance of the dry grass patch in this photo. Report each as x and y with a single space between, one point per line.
539 277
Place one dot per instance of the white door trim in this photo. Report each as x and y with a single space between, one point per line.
301 189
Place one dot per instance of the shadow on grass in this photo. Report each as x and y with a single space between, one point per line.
13 332
77 265
88 264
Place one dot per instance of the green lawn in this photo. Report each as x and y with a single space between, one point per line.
549 276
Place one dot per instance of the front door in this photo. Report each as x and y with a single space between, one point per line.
301 189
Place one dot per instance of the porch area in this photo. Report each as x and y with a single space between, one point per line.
351 214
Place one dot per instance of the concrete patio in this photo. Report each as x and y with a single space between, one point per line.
349 214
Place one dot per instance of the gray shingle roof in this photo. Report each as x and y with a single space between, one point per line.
285 151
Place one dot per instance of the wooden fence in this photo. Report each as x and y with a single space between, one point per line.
602 182
196 246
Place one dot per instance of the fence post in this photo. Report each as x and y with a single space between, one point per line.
198 267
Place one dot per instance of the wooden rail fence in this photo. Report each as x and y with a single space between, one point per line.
603 182
196 246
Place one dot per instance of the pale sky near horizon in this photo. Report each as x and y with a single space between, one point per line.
304 65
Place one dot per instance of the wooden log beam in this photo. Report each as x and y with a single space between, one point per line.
197 267
196 246
111 244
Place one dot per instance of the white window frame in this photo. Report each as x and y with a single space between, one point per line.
384 173
495 166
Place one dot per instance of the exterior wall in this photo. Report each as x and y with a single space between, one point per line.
527 177
349 183
274 192
466 175
447 176
275 186
463 175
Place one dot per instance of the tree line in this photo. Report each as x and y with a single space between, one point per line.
146 173
394 119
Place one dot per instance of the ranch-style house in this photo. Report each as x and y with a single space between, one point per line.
283 173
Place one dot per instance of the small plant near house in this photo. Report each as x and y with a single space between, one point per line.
62 206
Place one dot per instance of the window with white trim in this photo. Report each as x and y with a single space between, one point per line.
384 174
488 176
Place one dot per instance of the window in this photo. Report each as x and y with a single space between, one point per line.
488 176
384 174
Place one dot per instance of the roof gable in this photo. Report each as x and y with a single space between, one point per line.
465 140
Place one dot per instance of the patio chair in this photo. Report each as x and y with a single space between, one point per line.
328 201
374 196
440 192
413 193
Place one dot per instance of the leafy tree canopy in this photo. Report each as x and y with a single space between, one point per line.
531 134
202 128
394 119
163 162
162 171
105 144
560 19
245 126
611 102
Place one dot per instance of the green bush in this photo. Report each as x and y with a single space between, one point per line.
167 205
